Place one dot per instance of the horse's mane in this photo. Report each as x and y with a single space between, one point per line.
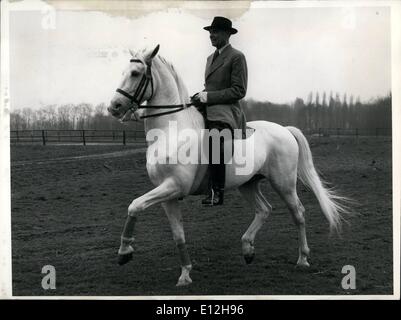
191 114
180 84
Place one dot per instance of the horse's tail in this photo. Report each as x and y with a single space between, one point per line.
332 204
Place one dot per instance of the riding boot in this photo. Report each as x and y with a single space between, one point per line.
216 183
217 170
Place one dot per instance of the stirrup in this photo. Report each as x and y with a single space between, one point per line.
213 200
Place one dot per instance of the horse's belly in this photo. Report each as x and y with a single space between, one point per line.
201 181
249 157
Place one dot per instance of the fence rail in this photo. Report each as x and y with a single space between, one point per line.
84 137
124 137
327 132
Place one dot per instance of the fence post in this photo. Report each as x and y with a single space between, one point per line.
338 132
124 137
17 136
356 132
43 137
377 132
320 132
83 137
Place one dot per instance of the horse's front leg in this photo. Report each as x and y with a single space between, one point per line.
173 212
167 190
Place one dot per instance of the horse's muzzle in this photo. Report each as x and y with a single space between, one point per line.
113 111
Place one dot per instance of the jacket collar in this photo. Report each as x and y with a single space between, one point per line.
218 62
222 49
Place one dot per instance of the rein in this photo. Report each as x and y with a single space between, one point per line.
140 92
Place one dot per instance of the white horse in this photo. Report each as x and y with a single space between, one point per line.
282 155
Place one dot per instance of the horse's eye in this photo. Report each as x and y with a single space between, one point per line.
134 73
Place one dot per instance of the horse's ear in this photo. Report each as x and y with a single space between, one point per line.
151 55
131 52
155 51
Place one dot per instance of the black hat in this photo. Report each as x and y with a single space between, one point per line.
221 23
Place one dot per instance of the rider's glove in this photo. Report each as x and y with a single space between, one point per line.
199 100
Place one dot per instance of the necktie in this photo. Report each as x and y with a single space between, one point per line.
216 54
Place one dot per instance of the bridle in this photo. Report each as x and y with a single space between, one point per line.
137 98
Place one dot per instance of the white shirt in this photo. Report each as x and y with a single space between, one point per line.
223 47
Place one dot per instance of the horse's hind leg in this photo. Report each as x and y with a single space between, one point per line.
252 193
174 216
299 218
298 215
287 190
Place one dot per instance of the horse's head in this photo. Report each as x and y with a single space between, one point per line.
136 85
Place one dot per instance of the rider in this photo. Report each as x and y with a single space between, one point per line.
226 77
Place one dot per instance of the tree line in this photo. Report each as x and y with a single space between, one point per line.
317 112
83 116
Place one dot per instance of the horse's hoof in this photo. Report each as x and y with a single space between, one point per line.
124 258
302 263
183 283
249 258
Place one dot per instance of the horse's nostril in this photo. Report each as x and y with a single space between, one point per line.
117 105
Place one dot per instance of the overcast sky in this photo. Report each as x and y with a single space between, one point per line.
290 52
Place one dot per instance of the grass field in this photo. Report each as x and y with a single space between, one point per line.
69 213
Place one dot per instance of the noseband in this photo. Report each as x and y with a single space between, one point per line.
137 98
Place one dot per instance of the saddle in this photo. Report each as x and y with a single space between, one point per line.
247 133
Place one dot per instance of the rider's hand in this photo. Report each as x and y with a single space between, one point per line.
196 101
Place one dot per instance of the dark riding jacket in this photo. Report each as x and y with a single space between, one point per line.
226 83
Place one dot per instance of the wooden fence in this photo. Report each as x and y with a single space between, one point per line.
328 132
124 137
84 137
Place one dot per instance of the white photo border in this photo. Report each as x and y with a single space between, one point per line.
5 195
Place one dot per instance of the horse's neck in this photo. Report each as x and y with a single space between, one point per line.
169 89
166 90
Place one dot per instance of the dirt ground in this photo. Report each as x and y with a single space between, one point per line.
69 213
